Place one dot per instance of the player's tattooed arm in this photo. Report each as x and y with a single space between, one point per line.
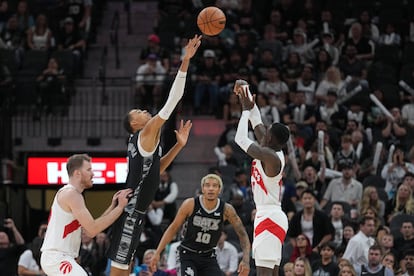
231 215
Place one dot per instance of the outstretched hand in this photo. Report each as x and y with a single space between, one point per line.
246 102
192 46
183 132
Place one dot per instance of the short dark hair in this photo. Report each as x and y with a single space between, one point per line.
408 174
310 192
281 132
376 247
75 162
407 221
328 244
127 123
338 203
364 219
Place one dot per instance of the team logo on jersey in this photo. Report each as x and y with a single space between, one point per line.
189 271
132 150
65 267
206 224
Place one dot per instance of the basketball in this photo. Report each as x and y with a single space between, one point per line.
211 21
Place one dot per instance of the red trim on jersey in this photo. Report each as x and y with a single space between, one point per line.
71 227
258 179
272 227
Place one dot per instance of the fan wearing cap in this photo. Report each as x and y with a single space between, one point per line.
301 46
154 47
69 38
270 223
300 187
345 188
80 12
328 45
208 75
149 79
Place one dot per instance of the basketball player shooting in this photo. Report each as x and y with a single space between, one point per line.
270 223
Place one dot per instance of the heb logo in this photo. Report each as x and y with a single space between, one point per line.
53 170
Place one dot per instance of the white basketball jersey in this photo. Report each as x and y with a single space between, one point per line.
267 190
63 231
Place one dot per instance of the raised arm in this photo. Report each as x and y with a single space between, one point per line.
182 137
150 134
270 161
18 238
182 214
254 117
231 215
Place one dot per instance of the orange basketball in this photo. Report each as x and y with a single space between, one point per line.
211 21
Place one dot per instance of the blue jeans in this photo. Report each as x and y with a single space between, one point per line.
211 89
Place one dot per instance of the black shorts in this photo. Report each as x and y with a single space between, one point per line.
124 236
198 264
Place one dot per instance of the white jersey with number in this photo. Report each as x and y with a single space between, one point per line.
270 223
63 231
267 190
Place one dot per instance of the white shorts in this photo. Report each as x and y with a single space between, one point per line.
270 227
59 264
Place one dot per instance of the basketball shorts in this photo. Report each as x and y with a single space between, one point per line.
125 235
204 264
270 227
55 264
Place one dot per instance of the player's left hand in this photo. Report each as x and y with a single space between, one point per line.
245 101
244 269
183 132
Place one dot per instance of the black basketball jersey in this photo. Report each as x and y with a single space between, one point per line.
75 9
143 172
364 271
203 227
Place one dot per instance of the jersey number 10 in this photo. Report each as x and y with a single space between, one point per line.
203 237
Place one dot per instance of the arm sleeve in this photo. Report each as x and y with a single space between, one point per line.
242 138
255 117
175 95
